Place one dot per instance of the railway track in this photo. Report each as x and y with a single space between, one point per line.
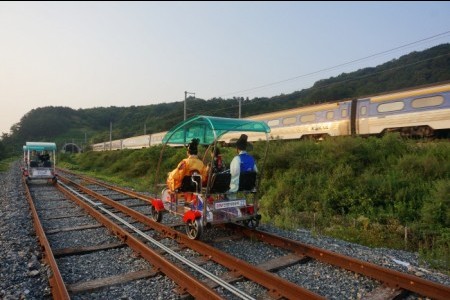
157 249
186 282
71 238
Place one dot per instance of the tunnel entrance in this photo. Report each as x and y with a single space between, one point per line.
71 148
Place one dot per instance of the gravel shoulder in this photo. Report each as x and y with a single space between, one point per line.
22 272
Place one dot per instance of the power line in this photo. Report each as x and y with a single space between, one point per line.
337 66
333 83
331 68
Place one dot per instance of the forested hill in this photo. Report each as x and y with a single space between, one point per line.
62 124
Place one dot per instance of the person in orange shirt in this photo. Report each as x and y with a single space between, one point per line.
187 167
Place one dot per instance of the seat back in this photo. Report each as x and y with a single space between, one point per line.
247 181
47 164
220 183
34 164
192 184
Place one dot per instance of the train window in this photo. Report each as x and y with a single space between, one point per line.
393 106
273 123
289 121
343 113
363 110
330 115
429 101
308 118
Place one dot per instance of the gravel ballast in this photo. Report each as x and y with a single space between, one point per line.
23 275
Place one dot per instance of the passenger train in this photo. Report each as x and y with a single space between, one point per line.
420 112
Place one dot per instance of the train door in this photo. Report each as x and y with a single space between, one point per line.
362 116
345 124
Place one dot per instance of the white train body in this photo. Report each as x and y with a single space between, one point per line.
417 112
137 142
310 121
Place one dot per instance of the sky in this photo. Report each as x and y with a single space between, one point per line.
101 54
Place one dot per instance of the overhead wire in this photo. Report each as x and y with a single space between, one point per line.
330 68
338 66
321 87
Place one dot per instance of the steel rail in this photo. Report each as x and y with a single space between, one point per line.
277 286
112 187
392 278
182 259
183 279
58 288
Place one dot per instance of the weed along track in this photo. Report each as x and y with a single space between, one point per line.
104 244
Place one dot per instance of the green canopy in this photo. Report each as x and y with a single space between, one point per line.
208 129
39 146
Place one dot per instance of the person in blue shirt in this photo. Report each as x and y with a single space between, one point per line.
243 162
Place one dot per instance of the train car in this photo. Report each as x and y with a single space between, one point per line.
39 161
315 121
157 138
199 206
113 145
422 112
98 147
136 142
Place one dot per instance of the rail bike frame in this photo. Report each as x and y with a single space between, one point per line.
200 206
33 167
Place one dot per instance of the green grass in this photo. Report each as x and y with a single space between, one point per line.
6 163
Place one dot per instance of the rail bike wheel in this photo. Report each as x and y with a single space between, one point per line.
251 223
165 195
194 229
156 215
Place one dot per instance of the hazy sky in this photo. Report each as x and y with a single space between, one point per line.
100 54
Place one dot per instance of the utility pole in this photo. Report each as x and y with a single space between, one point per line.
110 135
185 97
240 107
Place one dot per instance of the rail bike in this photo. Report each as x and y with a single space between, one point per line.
39 161
202 203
